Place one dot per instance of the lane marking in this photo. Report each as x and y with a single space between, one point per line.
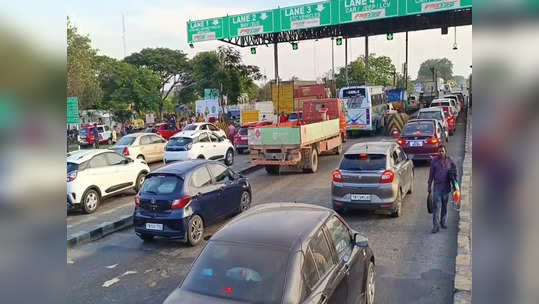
111 266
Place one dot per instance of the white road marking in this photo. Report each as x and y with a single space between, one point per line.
129 272
111 266
111 282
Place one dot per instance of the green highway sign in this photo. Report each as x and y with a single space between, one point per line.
389 36
361 10
305 16
72 110
251 24
204 30
429 6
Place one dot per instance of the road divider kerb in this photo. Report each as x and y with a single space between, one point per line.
463 260
125 222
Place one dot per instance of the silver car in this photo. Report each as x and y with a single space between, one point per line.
372 176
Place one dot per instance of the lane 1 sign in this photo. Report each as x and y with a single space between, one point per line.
305 16
204 30
251 24
361 10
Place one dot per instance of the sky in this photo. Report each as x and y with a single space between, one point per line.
161 23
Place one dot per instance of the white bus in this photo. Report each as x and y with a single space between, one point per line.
365 107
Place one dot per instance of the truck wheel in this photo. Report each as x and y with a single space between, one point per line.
272 169
314 163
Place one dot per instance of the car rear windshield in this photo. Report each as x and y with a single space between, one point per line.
441 104
72 167
190 127
418 128
238 272
126 141
363 162
179 141
430 115
83 132
243 131
162 184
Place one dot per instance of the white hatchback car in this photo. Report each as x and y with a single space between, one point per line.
146 146
201 145
201 126
95 174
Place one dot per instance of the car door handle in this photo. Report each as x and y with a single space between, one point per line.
346 269
197 196
323 298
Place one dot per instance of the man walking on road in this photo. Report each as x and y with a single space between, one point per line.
439 174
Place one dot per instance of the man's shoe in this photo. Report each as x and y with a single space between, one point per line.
444 226
435 229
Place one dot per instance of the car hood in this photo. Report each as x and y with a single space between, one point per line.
183 296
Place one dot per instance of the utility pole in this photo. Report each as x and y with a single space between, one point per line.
346 60
276 61
123 36
332 60
366 60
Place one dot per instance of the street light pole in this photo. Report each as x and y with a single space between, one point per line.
332 60
346 60
366 60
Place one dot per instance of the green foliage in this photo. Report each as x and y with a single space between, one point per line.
170 66
81 79
126 86
381 72
443 68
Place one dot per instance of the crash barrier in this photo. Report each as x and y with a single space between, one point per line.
397 121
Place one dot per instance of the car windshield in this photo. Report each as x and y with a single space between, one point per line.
162 184
418 128
83 132
126 141
430 115
440 104
243 131
363 162
72 167
190 127
239 273
179 141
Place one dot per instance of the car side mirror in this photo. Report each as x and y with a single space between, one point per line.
361 241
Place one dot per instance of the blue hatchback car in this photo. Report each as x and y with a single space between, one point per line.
177 201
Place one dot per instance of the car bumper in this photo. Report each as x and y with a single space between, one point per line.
380 194
173 227
177 156
422 156
241 146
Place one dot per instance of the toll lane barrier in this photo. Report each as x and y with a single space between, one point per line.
397 121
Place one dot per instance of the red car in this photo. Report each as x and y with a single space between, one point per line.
451 120
241 142
165 130
421 138
87 138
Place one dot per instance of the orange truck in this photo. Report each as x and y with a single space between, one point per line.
298 144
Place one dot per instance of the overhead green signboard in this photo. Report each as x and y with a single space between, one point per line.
204 30
430 6
361 10
305 16
72 110
251 24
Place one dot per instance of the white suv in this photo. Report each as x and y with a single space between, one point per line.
197 127
95 174
200 145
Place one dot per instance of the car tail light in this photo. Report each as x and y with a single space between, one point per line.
181 202
126 151
337 176
71 176
433 140
387 177
401 141
137 201
364 156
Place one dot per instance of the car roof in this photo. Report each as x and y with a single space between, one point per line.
285 225
422 120
181 167
374 147
139 134
190 133
81 156
431 109
441 100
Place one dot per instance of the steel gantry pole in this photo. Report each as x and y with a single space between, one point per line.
346 60
276 62
366 60
406 65
332 60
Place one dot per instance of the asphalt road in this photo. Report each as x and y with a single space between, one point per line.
412 265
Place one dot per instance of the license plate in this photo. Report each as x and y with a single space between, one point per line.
360 197
416 143
151 226
244 138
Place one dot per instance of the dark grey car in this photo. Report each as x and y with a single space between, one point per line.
372 176
282 253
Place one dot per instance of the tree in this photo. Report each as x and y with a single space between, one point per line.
224 70
442 67
381 72
81 77
127 87
171 66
